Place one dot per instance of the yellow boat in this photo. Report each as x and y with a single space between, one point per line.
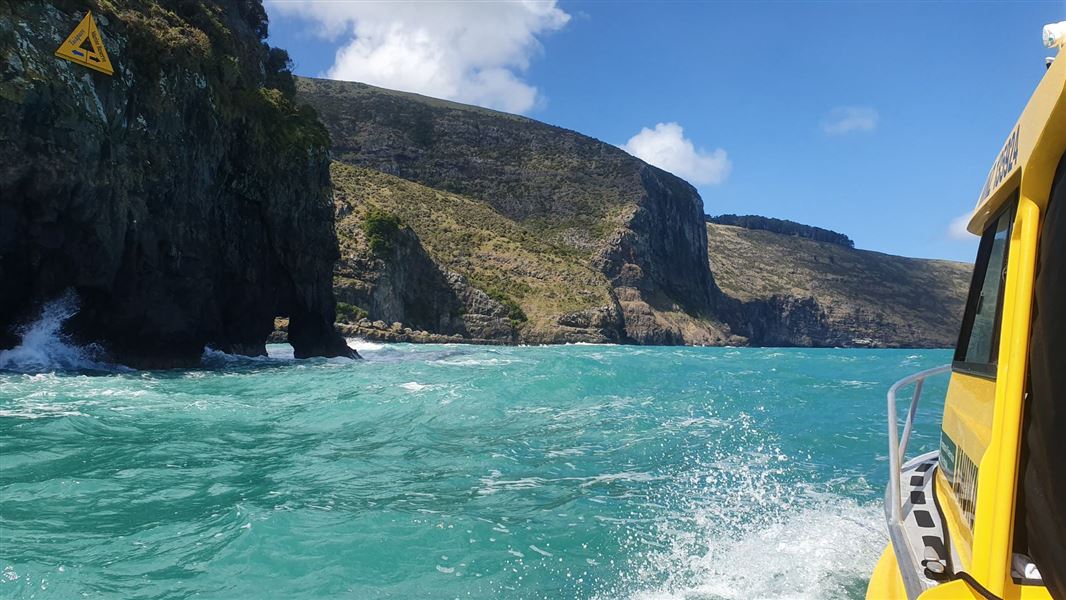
984 517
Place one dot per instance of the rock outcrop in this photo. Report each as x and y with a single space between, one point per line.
599 208
784 227
454 266
403 284
186 199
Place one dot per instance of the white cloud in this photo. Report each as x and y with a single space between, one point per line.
848 119
957 228
667 147
470 52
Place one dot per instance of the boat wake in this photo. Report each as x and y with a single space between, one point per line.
45 348
743 523
825 551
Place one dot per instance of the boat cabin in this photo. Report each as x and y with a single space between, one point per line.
985 515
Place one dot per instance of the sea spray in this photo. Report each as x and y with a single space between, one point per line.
605 472
744 522
44 346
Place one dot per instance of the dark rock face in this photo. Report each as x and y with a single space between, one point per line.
186 199
783 321
660 250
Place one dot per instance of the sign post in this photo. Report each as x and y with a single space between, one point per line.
85 47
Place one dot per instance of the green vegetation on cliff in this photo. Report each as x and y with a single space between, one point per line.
784 227
535 280
518 231
348 313
380 229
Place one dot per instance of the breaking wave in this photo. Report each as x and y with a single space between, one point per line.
44 346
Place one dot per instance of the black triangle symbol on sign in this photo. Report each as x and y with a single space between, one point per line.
85 47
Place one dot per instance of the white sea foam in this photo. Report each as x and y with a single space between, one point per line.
216 358
739 525
815 552
29 409
540 551
474 362
624 476
694 423
44 347
361 345
491 485
54 395
283 351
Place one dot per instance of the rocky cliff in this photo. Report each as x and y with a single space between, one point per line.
454 266
783 290
634 232
186 199
514 231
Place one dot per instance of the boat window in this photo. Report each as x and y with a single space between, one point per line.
978 345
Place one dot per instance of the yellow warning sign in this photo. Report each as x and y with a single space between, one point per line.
84 46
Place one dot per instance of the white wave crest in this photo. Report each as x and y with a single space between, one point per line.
44 347
360 345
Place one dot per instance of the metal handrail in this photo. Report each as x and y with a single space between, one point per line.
897 447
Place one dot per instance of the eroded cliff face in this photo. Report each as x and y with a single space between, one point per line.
186 199
655 265
449 265
401 283
784 290
599 208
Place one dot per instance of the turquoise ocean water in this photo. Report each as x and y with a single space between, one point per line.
451 472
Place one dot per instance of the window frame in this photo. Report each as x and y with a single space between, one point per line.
985 370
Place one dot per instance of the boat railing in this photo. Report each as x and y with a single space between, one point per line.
897 449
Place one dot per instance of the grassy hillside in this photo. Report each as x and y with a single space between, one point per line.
514 230
566 186
568 214
496 254
889 300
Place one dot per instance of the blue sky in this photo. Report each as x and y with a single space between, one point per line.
876 119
